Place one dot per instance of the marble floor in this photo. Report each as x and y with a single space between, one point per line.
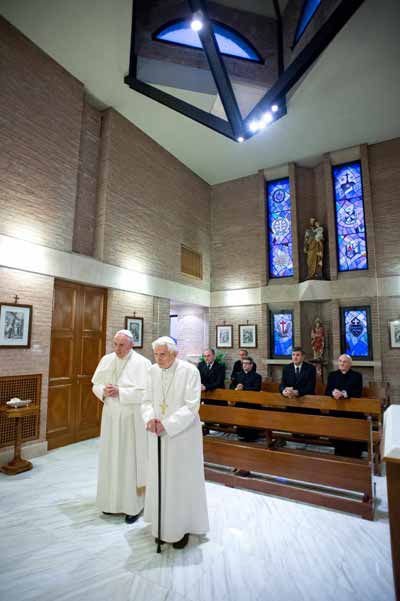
54 545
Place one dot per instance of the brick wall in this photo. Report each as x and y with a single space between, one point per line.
35 290
384 164
238 254
86 199
149 204
40 117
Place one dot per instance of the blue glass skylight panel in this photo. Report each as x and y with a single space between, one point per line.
350 221
282 334
309 8
279 228
229 42
356 332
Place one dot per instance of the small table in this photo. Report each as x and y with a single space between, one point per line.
18 464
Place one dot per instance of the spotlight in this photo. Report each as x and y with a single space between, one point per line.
240 139
274 108
254 126
196 24
267 118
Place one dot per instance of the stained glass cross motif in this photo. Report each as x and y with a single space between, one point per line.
355 323
282 334
350 221
279 228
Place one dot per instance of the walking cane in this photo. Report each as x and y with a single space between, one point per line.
159 493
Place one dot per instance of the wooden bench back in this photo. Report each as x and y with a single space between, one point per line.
317 425
271 399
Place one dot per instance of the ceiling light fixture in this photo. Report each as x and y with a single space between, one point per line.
274 108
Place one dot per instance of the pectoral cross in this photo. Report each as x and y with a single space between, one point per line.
163 407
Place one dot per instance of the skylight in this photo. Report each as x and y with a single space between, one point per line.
229 41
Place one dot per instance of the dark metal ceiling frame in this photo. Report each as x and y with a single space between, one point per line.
236 126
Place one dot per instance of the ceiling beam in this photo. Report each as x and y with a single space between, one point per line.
217 67
306 57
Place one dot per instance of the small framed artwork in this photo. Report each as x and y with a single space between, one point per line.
281 329
248 336
394 333
15 326
135 325
355 332
224 337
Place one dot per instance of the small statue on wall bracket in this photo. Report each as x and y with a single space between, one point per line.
314 249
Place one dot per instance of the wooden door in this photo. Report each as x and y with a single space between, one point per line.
77 344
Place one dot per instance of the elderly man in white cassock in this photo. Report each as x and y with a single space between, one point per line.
119 381
171 411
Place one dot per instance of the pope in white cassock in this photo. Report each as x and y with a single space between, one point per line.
171 410
119 381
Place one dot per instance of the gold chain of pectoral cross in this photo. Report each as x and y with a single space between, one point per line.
163 405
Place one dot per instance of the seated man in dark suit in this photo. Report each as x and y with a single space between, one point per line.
345 383
298 378
212 374
238 365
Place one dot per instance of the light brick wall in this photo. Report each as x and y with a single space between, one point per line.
85 213
35 290
40 117
149 204
238 251
384 165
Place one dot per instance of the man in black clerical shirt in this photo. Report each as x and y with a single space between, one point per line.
238 365
212 374
298 378
345 383
247 379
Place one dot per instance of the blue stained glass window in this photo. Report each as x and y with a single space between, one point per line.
350 222
282 334
229 41
307 13
356 332
279 229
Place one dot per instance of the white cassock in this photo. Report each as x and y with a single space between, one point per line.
122 457
183 502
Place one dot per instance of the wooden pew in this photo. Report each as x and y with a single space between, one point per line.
308 472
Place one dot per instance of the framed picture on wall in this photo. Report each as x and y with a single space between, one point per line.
248 336
282 338
135 325
394 333
355 332
15 326
224 336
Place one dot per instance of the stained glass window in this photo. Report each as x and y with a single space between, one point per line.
281 334
279 228
350 222
356 337
307 13
229 41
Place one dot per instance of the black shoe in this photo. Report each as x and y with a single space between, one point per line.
130 519
181 544
241 473
107 513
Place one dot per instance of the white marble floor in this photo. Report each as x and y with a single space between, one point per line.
54 545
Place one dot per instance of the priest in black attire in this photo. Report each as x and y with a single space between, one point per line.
238 365
344 383
247 379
